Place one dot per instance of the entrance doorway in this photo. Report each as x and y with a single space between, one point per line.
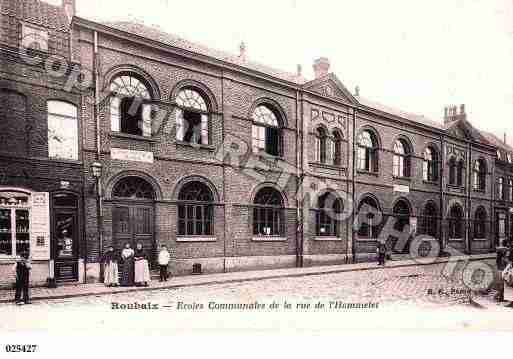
133 215
65 234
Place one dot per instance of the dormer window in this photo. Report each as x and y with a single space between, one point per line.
34 38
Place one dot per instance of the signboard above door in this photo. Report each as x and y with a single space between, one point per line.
131 155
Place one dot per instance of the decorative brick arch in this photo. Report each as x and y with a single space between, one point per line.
121 175
274 106
138 72
258 187
188 179
202 89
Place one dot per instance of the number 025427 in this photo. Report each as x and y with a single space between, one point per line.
19 348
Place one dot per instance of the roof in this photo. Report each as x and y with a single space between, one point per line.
154 33
495 141
36 12
396 112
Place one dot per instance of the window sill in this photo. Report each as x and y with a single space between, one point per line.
455 186
456 239
361 172
65 160
480 239
328 166
7 259
266 156
132 137
269 239
326 238
196 145
366 239
196 239
431 183
402 178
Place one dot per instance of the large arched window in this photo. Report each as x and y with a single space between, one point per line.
192 117
368 215
129 112
336 150
402 215
401 160
480 223
367 152
328 214
62 130
268 217
430 165
479 174
452 171
321 145
195 210
456 225
500 188
133 187
266 132
430 220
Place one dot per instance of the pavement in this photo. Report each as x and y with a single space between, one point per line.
98 289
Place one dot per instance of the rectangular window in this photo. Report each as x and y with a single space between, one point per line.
34 38
14 227
62 131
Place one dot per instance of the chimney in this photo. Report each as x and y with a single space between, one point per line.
242 51
321 67
452 114
505 138
357 91
299 70
69 8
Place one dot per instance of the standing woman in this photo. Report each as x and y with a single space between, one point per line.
127 269
142 270
110 260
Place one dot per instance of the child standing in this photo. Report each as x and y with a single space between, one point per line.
22 267
163 263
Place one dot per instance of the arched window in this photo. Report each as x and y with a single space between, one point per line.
430 165
452 171
430 220
402 215
62 130
368 214
479 173
268 213
328 214
401 161
320 145
367 152
500 188
336 151
266 131
460 173
129 112
195 210
480 223
133 187
192 117
456 225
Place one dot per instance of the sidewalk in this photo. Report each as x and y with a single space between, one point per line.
81 290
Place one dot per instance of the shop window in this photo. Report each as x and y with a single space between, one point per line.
14 224
368 219
196 210
62 130
192 123
401 159
268 213
328 215
456 222
430 165
367 152
430 220
266 133
128 106
480 223
320 145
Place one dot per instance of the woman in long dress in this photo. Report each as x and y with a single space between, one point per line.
142 270
110 260
127 268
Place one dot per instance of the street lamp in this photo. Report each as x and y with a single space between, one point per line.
96 170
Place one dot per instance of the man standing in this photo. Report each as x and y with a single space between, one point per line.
22 267
163 263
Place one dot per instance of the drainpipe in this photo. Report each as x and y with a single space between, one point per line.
300 219
224 174
353 195
441 229
469 184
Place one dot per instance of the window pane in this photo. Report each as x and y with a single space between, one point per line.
5 232
62 134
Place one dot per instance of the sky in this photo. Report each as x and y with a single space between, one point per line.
418 56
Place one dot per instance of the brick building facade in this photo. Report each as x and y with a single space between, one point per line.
232 164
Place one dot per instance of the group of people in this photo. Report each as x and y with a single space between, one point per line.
505 274
131 267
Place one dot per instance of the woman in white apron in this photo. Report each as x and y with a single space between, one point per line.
142 269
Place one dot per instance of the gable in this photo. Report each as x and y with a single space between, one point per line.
330 86
463 129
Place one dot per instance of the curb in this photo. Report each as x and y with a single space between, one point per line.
252 279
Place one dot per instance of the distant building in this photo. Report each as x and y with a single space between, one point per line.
233 164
